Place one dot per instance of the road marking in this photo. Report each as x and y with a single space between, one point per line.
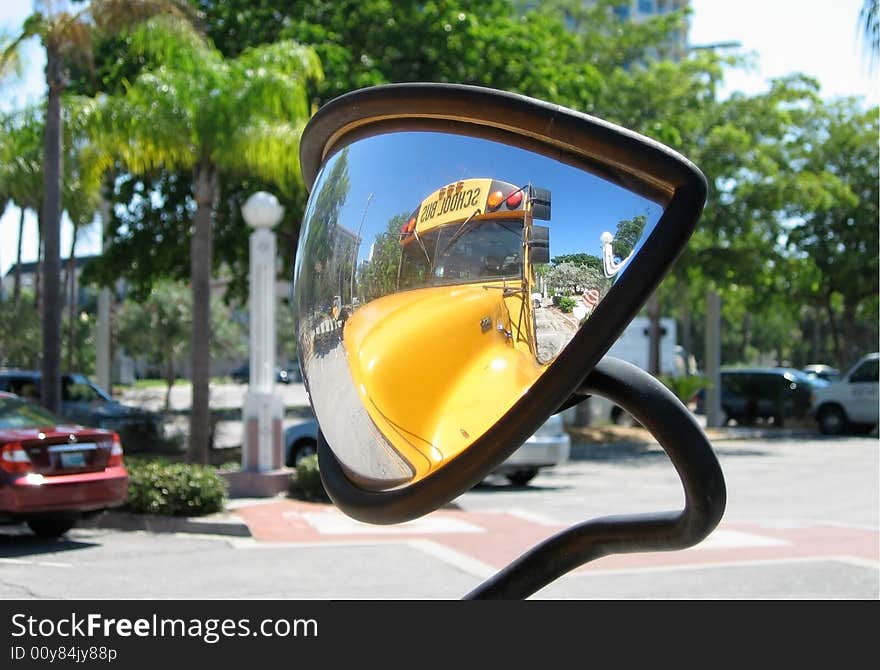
454 558
441 552
600 572
734 539
533 517
337 524
38 564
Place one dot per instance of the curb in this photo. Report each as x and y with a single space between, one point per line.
214 524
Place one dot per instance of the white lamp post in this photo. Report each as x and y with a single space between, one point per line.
263 410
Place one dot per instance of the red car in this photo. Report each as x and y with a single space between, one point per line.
52 473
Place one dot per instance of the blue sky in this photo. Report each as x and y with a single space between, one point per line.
816 37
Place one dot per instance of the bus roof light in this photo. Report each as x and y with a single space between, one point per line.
409 226
514 200
494 200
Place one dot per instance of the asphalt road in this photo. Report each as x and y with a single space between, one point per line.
801 523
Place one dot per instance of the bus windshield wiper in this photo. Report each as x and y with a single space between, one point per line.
459 232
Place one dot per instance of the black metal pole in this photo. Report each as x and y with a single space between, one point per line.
684 441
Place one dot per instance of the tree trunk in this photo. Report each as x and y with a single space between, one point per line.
16 287
687 326
206 191
38 268
835 335
71 301
849 336
654 335
52 176
169 381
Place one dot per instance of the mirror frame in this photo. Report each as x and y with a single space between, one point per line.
609 151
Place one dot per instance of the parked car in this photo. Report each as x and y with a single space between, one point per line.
300 440
752 394
294 374
51 472
242 375
548 447
84 402
852 401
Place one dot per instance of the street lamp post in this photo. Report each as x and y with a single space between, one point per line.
262 472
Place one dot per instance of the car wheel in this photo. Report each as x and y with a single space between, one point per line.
52 527
302 449
521 477
832 420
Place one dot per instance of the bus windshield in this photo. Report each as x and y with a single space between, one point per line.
477 250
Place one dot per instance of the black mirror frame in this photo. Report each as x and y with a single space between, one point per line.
615 153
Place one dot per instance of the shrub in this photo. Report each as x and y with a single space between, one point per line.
306 483
174 489
567 303
685 387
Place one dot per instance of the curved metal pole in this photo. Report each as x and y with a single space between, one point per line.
675 428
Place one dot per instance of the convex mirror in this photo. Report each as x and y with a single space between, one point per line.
465 259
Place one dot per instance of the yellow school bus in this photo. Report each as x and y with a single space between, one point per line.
438 361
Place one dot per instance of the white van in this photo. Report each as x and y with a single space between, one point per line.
852 401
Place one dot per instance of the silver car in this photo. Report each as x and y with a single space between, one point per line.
549 446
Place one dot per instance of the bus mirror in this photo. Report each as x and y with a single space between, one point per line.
540 204
539 244
428 345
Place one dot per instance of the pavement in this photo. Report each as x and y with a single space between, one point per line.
284 519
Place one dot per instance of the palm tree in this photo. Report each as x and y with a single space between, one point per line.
81 196
21 171
869 26
66 34
201 113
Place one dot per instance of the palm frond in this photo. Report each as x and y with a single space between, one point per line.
269 150
869 29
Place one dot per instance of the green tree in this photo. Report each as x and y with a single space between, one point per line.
579 259
837 214
627 235
19 334
204 113
22 177
381 274
501 44
568 278
66 35
159 328
322 220
21 172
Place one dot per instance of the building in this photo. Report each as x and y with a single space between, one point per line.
86 297
642 10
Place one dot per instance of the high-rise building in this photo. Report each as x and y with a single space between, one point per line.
642 10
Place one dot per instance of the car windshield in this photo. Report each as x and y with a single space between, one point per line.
77 388
16 413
